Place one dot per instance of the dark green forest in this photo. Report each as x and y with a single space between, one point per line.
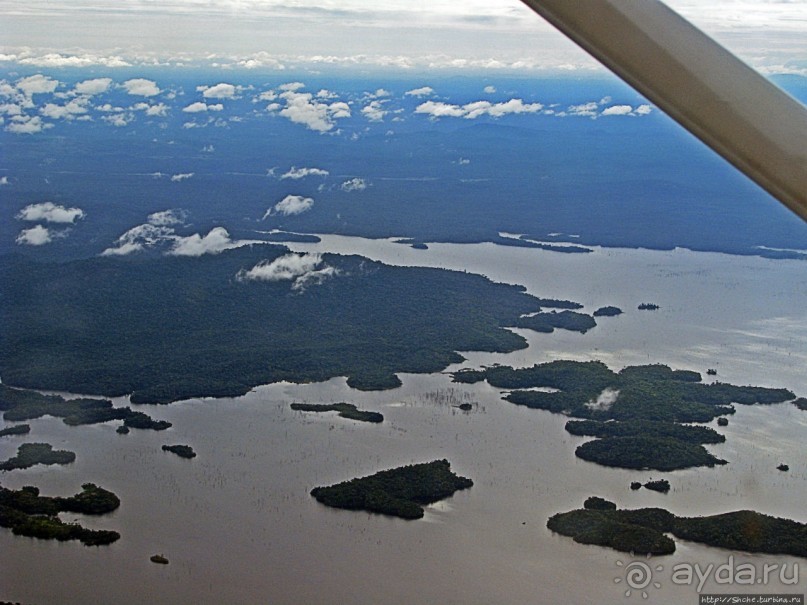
170 328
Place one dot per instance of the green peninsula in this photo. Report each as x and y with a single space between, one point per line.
346 410
22 404
220 333
29 454
27 513
637 414
642 531
400 492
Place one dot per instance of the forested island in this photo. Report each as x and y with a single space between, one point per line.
17 429
637 414
30 454
564 320
641 531
400 492
23 404
27 513
183 451
346 410
220 332
607 312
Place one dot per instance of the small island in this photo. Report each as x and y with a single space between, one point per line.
400 492
346 410
607 312
783 467
17 429
722 421
801 403
27 513
29 454
660 485
642 531
159 559
183 451
648 307
564 320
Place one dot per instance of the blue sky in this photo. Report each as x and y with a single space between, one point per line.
389 34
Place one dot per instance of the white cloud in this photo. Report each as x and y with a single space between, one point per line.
324 93
50 213
92 87
374 111
35 236
584 109
176 178
302 109
302 269
84 60
168 217
295 173
489 90
438 109
141 87
200 106
37 84
68 111
290 205
267 95
217 240
626 110
4 180
10 109
617 110
355 184
157 110
119 119
218 91
291 86
471 111
424 91
27 125
139 238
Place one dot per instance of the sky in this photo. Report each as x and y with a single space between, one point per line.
385 34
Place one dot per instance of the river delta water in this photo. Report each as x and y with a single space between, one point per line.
238 525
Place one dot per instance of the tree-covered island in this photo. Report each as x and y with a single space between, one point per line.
183 451
607 312
345 410
637 415
400 492
642 531
29 454
27 513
